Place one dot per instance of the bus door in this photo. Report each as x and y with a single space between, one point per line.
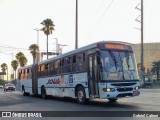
93 76
35 79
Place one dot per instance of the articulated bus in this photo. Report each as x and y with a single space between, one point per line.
102 70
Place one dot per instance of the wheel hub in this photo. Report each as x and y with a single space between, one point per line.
80 95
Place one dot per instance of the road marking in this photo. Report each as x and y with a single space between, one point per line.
9 92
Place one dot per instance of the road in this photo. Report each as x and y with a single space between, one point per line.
14 101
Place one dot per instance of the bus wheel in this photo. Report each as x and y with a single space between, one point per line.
43 92
112 99
81 95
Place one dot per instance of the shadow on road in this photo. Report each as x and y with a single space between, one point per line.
97 103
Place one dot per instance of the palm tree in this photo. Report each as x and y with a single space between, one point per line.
155 68
48 27
4 68
21 59
15 64
18 55
34 51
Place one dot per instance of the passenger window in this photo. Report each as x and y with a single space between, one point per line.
79 62
66 65
57 67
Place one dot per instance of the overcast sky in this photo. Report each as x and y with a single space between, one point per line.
98 20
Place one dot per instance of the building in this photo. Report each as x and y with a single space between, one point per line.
151 54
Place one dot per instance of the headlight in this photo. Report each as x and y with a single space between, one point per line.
108 89
136 88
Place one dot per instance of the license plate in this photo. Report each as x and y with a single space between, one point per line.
135 92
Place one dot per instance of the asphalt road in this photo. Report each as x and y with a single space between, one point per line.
14 101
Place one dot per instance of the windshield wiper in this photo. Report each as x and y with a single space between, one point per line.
113 58
127 61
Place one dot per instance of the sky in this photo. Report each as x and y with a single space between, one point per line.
97 20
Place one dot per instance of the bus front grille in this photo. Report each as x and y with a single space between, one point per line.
124 89
123 84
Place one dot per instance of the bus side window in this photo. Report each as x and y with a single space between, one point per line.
74 63
29 73
39 71
66 65
23 74
50 68
46 69
79 62
42 70
57 67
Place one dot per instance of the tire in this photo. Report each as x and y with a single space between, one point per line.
81 95
43 93
112 100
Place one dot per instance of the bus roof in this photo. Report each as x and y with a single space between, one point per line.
27 66
93 45
87 47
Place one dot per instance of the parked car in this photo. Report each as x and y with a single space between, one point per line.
9 86
1 86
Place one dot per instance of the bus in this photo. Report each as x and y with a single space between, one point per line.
102 70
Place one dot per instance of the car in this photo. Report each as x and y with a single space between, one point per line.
9 86
1 86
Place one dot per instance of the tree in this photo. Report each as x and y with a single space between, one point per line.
21 59
48 27
4 67
15 64
155 68
34 51
2 82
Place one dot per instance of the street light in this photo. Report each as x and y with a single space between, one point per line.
37 41
37 35
58 49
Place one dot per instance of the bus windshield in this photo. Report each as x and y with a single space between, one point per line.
118 65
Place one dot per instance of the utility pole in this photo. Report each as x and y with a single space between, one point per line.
76 34
38 43
142 47
12 67
7 74
142 50
37 35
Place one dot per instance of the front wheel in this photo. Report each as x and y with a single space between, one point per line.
81 95
112 99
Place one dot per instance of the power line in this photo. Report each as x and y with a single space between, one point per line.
100 6
6 53
107 8
10 47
